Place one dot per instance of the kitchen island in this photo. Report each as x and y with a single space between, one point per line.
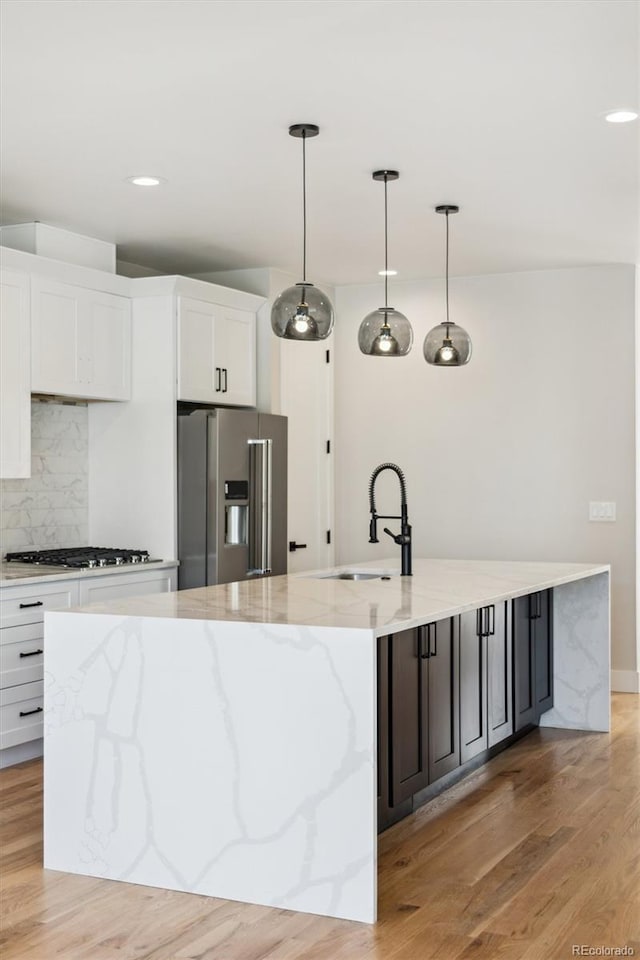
224 740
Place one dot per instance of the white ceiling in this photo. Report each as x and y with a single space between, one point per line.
495 105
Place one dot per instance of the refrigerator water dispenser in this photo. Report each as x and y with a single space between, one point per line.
235 524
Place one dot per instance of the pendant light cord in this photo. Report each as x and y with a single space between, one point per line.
304 206
386 264
446 272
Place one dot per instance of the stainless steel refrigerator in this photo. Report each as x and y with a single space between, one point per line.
232 496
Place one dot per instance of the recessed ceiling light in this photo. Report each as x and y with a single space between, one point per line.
621 116
387 273
145 181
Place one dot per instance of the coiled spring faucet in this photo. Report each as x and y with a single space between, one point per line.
403 539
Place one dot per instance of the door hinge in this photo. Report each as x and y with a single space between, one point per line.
328 356
328 536
328 446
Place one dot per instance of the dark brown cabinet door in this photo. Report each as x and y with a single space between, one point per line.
500 676
473 683
444 697
543 651
408 714
524 695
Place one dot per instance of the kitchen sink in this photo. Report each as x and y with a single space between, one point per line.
353 576
356 575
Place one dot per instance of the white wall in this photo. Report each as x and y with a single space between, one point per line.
502 456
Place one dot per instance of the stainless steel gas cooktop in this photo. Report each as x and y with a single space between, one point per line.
82 557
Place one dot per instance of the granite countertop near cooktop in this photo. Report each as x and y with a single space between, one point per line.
18 574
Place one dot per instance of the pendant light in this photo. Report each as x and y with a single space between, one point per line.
447 345
386 332
303 312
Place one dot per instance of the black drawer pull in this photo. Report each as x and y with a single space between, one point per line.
423 649
31 653
37 603
27 713
433 642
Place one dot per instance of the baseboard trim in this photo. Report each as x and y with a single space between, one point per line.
625 681
21 752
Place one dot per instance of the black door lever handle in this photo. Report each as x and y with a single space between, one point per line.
293 546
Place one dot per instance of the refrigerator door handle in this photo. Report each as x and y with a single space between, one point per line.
260 551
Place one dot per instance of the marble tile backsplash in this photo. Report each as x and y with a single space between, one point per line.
50 508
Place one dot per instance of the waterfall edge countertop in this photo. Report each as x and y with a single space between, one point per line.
223 741
437 589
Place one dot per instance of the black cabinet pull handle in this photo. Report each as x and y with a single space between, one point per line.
293 546
224 372
423 650
37 603
485 621
433 643
31 653
492 620
27 713
218 376
537 607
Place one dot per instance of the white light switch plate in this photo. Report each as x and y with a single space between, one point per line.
603 511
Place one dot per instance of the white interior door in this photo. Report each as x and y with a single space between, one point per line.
306 380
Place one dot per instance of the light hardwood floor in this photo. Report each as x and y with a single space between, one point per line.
535 852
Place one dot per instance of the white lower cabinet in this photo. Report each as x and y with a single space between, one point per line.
21 710
21 654
22 643
122 585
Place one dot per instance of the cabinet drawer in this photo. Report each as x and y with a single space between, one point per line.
122 585
21 654
19 605
21 710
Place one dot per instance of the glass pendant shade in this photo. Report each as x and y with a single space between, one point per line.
447 345
385 333
302 312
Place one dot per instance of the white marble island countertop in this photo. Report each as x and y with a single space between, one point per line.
223 741
437 589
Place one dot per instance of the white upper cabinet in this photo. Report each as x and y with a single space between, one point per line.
235 352
216 354
80 341
15 375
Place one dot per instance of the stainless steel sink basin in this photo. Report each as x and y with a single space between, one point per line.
354 576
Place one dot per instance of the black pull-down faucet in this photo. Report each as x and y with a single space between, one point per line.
403 539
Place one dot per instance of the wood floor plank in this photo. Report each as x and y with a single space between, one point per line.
536 851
